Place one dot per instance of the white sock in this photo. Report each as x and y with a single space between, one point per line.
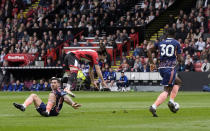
154 106
24 105
171 100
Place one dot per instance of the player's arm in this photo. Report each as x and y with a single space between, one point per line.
92 76
178 54
70 102
98 71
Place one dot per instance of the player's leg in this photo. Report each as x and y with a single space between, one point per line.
171 103
165 73
33 98
71 81
161 98
69 101
175 89
51 102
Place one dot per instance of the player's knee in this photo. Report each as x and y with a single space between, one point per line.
34 95
168 90
178 81
51 95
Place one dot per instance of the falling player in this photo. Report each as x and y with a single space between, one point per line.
71 63
170 53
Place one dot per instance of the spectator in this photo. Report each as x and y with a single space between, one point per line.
203 55
135 68
122 84
33 86
189 67
201 44
27 84
196 57
7 87
69 36
205 66
188 60
75 43
111 77
18 86
58 63
49 62
145 68
40 85
124 66
47 86
2 57
181 67
137 63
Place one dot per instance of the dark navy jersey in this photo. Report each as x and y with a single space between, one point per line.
168 49
59 93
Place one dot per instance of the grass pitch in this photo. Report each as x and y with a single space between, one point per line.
107 111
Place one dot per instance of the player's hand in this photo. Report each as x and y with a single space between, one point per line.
104 84
152 67
95 84
76 105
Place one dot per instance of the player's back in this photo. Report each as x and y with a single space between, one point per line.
168 49
88 55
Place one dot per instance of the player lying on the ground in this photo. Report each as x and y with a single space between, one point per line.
55 101
170 52
71 63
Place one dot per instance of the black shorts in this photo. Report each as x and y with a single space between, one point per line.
70 60
42 108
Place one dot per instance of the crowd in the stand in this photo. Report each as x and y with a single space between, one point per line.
91 14
31 85
192 31
105 13
13 24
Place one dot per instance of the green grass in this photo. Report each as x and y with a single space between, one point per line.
107 111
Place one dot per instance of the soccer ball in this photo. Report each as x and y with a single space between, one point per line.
177 106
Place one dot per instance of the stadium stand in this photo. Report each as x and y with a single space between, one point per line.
41 32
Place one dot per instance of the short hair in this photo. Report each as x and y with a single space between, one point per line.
102 50
55 78
171 32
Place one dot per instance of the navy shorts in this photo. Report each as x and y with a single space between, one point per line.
42 108
168 75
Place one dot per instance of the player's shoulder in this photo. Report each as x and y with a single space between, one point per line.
176 42
173 41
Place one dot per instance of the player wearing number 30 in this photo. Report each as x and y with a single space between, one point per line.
170 52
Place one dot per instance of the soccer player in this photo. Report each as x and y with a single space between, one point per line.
71 62
55 101
170 52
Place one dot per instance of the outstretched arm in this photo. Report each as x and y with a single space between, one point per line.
98 71
70 102
92 76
